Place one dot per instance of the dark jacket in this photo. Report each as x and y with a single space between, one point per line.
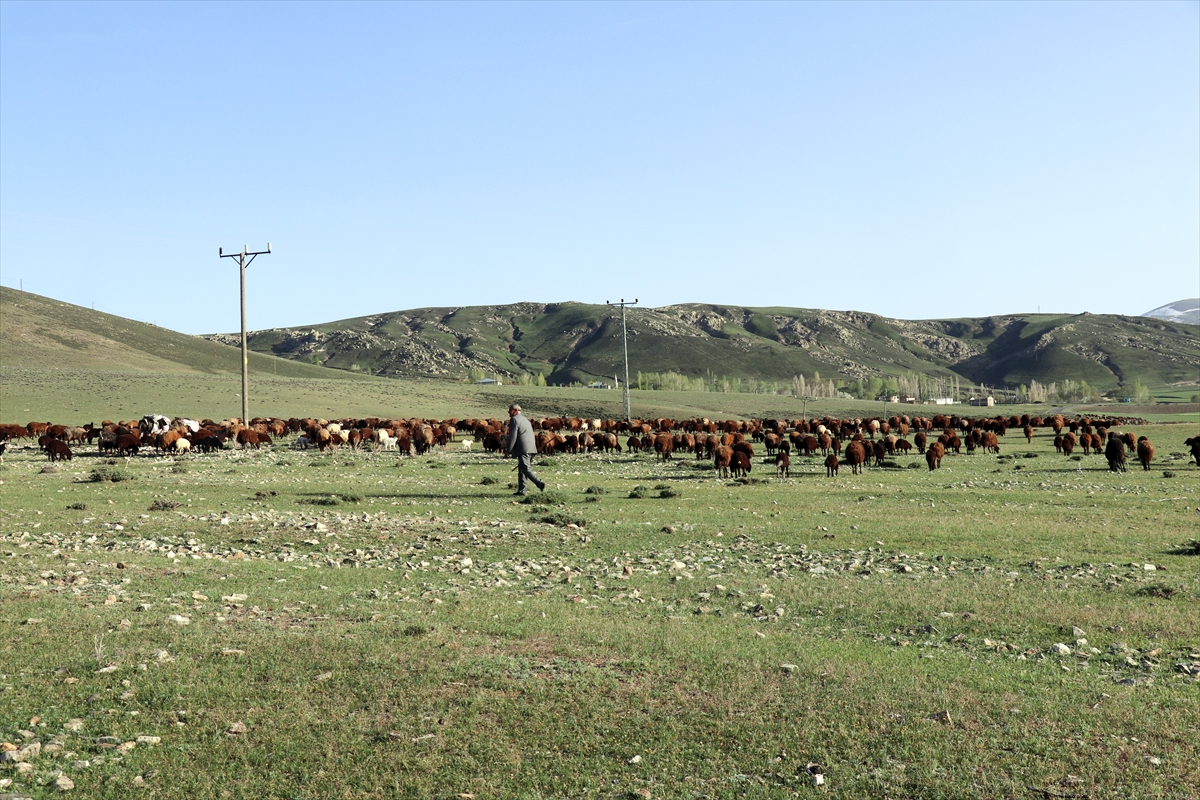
520 437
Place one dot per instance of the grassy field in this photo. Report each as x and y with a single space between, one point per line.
363 625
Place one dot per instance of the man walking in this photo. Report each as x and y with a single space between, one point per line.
522 446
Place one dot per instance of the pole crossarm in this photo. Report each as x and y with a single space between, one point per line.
625 348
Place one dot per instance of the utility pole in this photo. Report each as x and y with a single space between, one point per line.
242 264
625 347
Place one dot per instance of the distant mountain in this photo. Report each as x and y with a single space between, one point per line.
1187 311
37 331
568 342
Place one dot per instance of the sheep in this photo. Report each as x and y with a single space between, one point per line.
933 456
1114 451
1145 452
831 466
856 455
58 450
783 465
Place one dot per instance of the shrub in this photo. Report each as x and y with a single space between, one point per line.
550 498
667 493
594 490
487 481
351 498
319 501
163 504
639 493
559 519
109 475
77 507
1031 455
1159 591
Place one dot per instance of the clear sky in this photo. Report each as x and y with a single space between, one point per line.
908 159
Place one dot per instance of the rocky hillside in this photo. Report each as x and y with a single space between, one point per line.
569 342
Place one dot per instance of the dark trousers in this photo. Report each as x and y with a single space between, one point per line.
525 474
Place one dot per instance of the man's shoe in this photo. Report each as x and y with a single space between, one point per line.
520 494
542 486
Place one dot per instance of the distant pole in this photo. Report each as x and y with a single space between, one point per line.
242 264
625 347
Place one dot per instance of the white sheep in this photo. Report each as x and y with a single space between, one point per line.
386 441
182 446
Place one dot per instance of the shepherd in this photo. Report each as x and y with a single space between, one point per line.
523 447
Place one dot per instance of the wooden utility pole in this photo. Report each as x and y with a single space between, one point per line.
625 347
242 264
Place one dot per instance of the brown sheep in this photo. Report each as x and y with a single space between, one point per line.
783 465
740 464
664 446
934 455
1145 451
247 437
722 458
831 466
1028 431
855 456
920 440
990 443
58 450
1068 444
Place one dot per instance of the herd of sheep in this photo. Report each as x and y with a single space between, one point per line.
730 444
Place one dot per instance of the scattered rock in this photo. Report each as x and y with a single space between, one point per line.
229 651
236 729
63 783
1060 649
179 619
324 676
1077 632
942 717
789 668
635 760
149 740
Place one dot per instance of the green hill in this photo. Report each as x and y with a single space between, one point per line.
41 333
568 342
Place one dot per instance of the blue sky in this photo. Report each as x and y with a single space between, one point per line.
913 160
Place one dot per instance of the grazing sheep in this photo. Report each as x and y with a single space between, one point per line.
783 465
1193 446
831 466
856 456
58 450
740 464
934 456
722 458
1145 451
1114 451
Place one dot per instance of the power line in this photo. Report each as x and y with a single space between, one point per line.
242 264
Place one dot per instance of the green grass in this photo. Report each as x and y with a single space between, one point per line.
437 638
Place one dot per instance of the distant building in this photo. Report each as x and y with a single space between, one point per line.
598 385
908 398
942 401
488 382
983 401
